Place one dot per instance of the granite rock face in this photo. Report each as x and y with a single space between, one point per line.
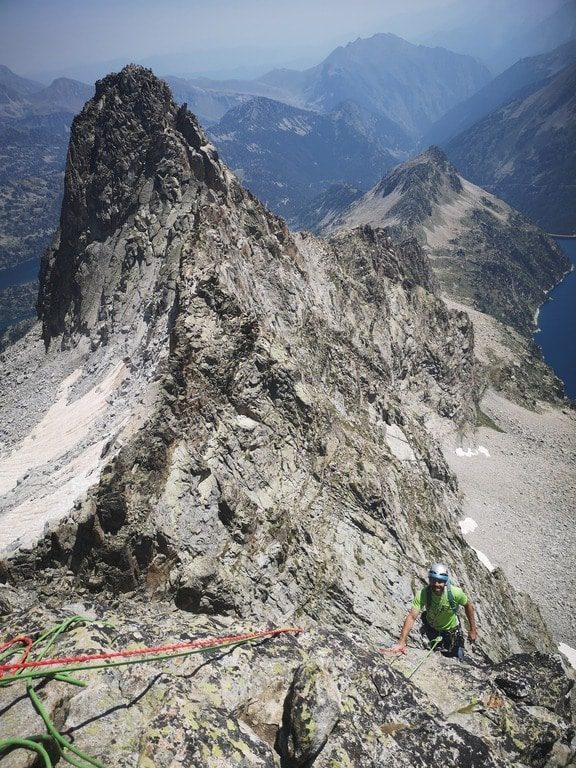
266 458
321 697
282 466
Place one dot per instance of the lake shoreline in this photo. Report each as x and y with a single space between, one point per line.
555 318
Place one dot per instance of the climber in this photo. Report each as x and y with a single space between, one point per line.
440 601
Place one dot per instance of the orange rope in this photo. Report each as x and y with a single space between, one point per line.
206 643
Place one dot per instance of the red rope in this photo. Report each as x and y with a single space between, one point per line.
206 643
25 641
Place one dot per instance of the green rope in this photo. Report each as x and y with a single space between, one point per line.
63 743
435 642
7 745
71 680
44 672
51 635
48 639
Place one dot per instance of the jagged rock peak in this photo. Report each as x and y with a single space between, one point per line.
132 150
435 155
427 177
429 167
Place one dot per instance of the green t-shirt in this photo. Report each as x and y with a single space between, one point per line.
439 613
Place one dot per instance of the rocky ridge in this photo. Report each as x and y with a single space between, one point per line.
493 263
250 411
484 253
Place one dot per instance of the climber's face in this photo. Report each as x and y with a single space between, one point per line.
437 586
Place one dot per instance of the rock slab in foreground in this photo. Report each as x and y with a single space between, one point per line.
323 697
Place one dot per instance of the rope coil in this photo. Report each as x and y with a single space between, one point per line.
58 668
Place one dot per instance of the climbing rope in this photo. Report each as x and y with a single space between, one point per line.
163 651
26 669
433 647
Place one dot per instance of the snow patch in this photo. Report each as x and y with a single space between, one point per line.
64 426
569 652
23 525
484 560
467 525
469 452
58 459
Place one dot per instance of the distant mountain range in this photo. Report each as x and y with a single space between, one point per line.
22 97
483 252
411 85
525 152
34 132
398 88
18 86
516 82
519 143
287 156
310 143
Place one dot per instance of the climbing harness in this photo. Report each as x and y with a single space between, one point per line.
27 669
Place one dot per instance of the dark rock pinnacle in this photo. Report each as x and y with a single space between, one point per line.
129 146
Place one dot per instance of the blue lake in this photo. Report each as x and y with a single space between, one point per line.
27 272
557 324
22 273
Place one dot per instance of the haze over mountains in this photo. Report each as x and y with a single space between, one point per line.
516 82
499 34
517 164
525 152
410 85
326 133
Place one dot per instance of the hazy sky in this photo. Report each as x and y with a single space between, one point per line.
66 35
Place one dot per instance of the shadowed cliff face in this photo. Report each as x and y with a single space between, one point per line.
267 459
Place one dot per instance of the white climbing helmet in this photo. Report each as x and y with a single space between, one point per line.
438 572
